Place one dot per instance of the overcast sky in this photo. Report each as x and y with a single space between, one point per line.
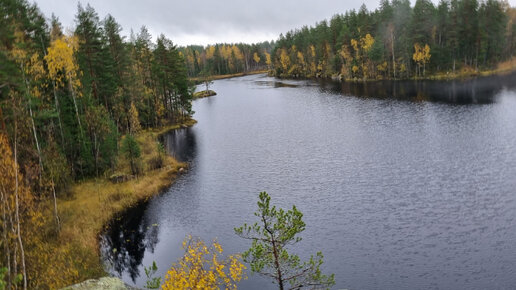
206 22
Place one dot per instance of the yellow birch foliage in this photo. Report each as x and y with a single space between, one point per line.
300 58
367 42
256 58
312 64
382 67
417 56
225 51
354 44
312 50
362 48
347 60
344 53
421 54
17 53
60 58
237 52
30 63
268 59
37 71
284 59
210 52
202 268
403 68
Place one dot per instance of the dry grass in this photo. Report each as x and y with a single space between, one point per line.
228 76
74 255
96 201
507 66
465 72
468 72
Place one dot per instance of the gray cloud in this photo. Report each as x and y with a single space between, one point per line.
204 22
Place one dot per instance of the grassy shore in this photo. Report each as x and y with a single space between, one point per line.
228 76
74 255
502 68
464 73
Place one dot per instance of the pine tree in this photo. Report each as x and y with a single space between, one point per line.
131 150
276 230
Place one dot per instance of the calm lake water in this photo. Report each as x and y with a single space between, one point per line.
403 185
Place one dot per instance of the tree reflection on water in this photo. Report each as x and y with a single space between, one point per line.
130 234
481 90
125 240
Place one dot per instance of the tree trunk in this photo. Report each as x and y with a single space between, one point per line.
2 122
275 253
36 139
17 212
276 264
55 97
96 153
58 113
393 57
58 221
75 104
6 239
32 121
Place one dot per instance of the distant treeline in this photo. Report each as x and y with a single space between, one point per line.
400 41
223 58
65 98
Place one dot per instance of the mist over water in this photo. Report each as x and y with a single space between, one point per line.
403 185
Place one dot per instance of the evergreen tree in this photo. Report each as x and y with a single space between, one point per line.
461 35
268 255
131 151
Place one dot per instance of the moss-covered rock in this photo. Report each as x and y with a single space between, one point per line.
105 283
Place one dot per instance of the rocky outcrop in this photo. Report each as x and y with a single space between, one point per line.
105 283
204 94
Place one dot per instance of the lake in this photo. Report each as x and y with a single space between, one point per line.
403 185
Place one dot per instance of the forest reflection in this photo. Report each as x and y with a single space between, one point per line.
481 90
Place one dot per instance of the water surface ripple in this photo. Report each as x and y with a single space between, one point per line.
398 193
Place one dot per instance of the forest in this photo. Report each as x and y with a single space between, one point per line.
398 41
223 58
66 98
73 103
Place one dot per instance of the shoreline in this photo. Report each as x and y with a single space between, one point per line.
505 68
90 207
228 76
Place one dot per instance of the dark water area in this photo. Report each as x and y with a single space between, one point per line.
401 187
468 91
180 143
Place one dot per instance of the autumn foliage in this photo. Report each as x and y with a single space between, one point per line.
226 59
421 56
66 98
202 267
16 202
401 40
